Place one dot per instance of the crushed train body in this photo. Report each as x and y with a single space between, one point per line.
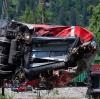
39 50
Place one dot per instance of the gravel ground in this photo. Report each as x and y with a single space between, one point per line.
58 93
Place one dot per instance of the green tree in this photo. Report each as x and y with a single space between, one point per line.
42 14
38 14
94 25
27 16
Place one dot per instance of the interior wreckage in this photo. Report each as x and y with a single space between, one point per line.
44 56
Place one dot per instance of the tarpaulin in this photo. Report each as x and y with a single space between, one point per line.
62 31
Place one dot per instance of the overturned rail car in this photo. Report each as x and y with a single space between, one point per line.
44 56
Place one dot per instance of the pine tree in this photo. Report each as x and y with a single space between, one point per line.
27 16
94 25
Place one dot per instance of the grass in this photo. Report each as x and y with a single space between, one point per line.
6 97
2 97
